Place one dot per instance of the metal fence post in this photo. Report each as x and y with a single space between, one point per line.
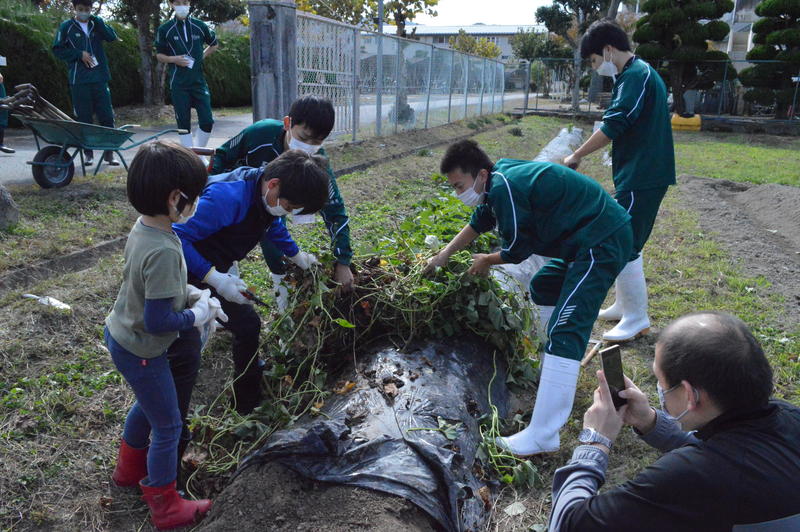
503 88
430 74
398 83
273 56
527 88
466 84
494 82
794 98
450 84
356 90
379 86
483 86
722 89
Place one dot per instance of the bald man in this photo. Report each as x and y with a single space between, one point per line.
732 455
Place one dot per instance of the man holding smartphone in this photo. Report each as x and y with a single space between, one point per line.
732 455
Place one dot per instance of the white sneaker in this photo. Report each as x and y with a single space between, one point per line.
550 412
632 294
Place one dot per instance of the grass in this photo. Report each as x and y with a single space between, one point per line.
62 404
54 222
739 157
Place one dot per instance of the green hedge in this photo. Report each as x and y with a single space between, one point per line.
227 72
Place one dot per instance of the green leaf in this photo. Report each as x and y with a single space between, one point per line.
344 323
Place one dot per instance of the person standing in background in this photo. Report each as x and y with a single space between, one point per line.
179 43
79 43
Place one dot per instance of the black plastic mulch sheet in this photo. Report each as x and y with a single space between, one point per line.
369 437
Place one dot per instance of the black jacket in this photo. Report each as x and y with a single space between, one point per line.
742 468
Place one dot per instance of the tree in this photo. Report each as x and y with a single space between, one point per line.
673 39
403 11
569 20
470 45
530 45
354 12
147 15
777 36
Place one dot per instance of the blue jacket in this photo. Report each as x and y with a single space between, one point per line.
230 220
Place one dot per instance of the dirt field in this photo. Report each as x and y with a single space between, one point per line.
725 245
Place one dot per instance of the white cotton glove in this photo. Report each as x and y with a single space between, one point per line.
228 286
201 309
208 328
281 292
192 294
304 260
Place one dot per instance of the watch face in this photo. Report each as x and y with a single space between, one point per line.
585 435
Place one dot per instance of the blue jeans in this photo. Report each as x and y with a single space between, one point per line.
163 388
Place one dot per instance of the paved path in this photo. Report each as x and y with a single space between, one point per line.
13 168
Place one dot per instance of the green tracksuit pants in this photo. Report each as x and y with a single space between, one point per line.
185 98
643 206
577 289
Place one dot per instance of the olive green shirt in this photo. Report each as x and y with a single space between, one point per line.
154 269
545 209
185 37
638 122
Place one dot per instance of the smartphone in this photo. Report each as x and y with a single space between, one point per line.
612 368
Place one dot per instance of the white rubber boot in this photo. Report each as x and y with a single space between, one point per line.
614 312
201 141
544 316
281 292
550 412
632 293
201 138
186 140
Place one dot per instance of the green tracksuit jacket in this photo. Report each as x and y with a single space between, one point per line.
261 143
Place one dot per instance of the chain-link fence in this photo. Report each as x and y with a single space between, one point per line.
716 88
382 84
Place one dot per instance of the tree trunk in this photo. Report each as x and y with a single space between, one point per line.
613 7
676 81
151 70
576 64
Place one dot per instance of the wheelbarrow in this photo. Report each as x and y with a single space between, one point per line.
54 165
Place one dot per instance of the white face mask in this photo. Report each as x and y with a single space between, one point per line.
295 212
607 68
278 210
310 149
82 16
470 197
662 400
183 218
182 11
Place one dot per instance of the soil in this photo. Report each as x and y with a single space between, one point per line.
758 224
270 497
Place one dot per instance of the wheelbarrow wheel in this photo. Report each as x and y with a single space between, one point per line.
47 175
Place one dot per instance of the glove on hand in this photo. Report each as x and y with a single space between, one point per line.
228 286
304 260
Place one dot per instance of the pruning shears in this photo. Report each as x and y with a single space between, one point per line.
254 298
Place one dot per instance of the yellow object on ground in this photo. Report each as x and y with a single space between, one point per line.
686 124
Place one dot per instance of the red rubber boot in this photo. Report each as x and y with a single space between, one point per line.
169 510
131 465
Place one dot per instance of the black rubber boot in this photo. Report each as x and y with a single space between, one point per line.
247 390
3 147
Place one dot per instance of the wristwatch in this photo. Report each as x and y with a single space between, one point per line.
592 436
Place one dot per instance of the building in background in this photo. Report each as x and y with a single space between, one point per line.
498 34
